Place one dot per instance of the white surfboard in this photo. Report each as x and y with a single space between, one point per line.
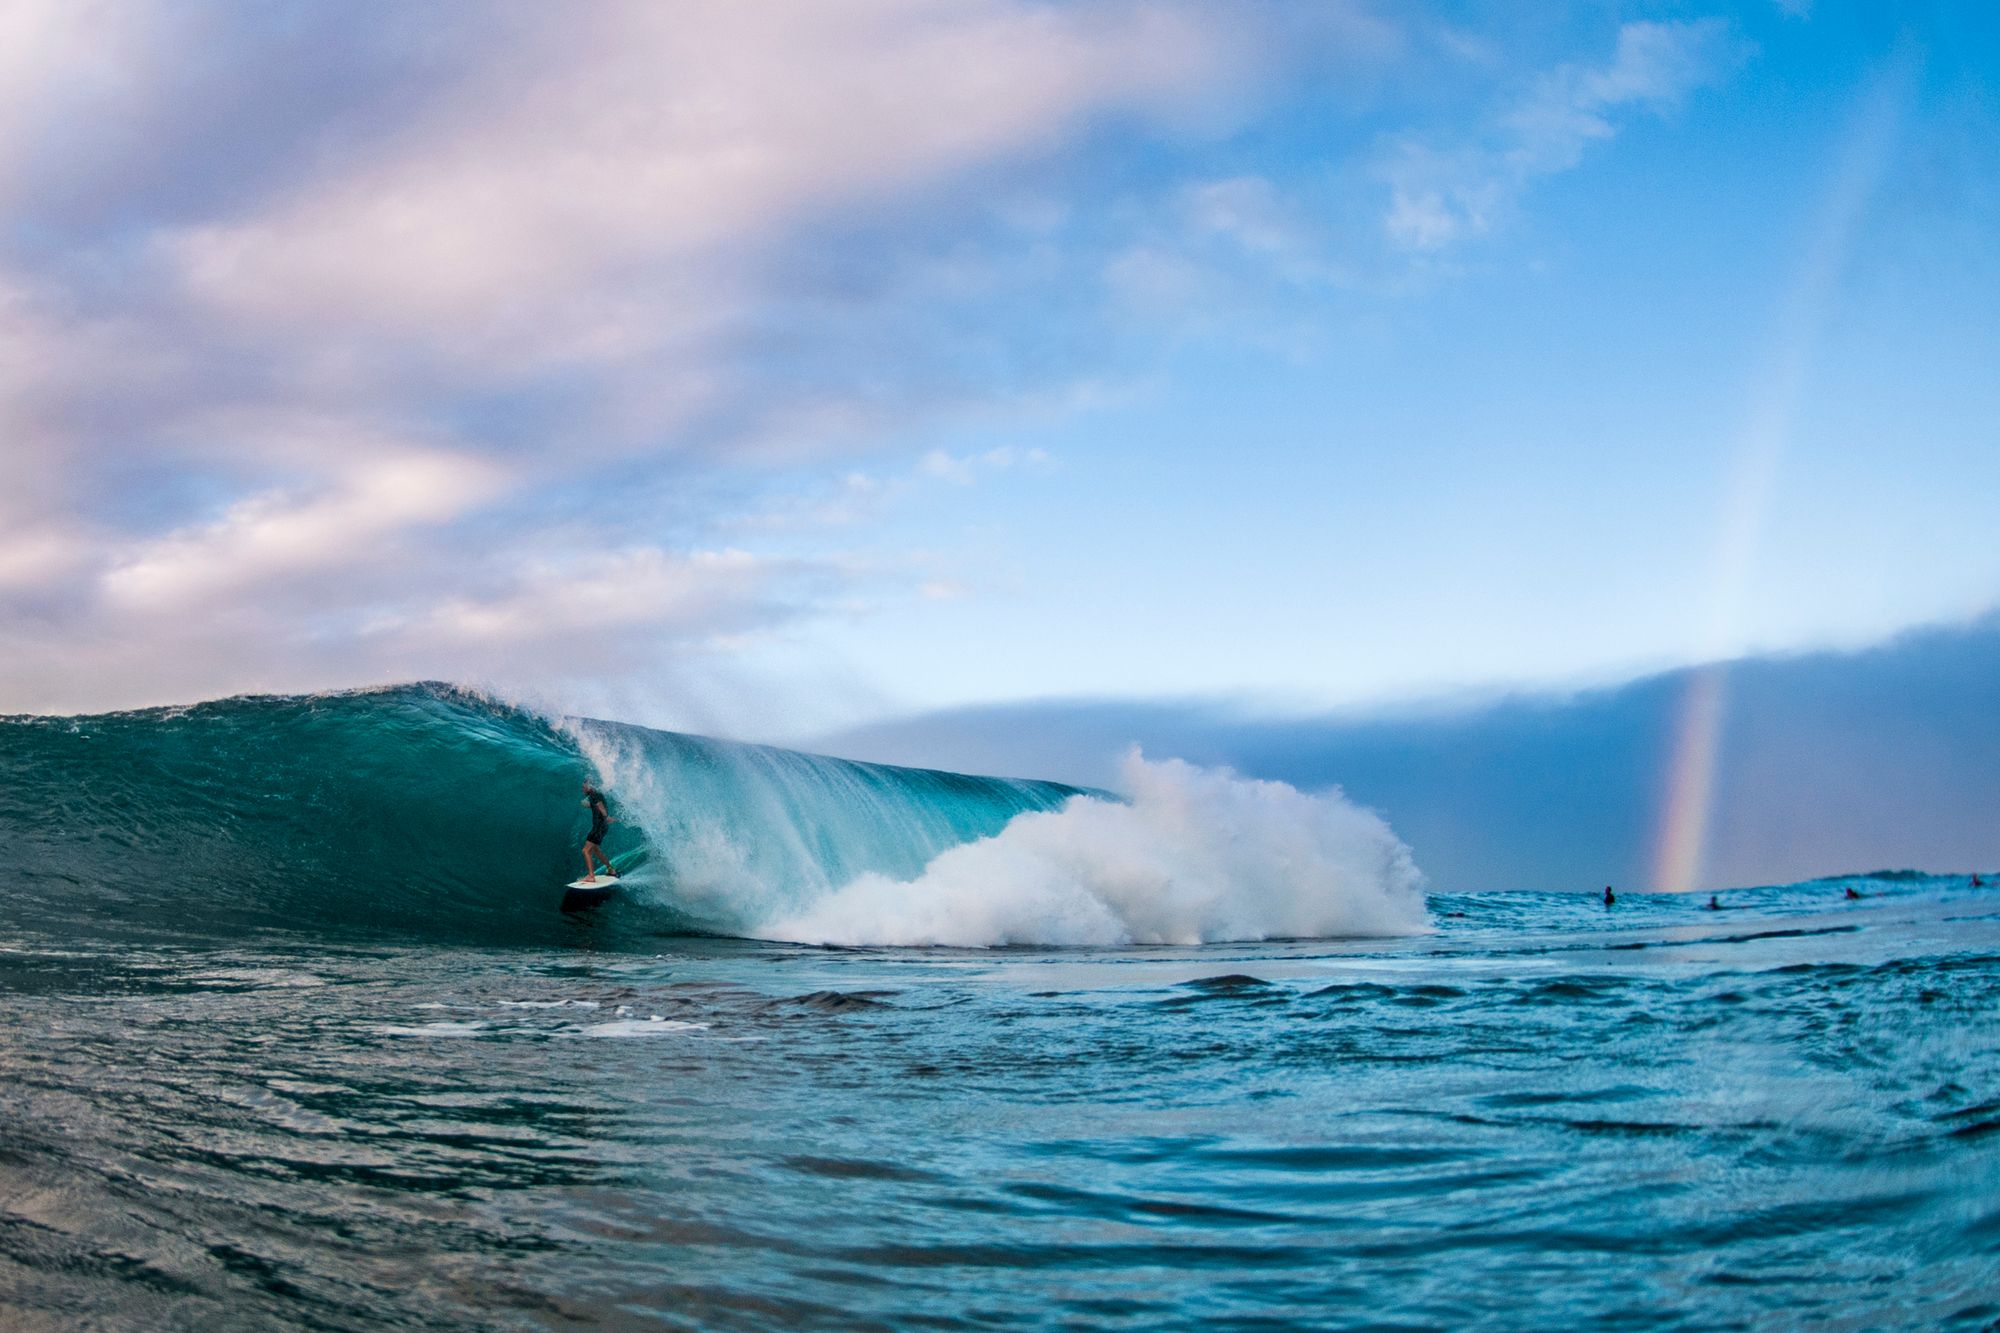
601 882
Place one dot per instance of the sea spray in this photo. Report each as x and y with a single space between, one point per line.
1196 855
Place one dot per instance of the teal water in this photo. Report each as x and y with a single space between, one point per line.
293 1096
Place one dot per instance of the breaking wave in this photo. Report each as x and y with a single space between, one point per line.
439 811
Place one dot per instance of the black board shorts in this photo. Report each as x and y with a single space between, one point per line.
597 832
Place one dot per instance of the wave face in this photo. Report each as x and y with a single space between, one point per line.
434 810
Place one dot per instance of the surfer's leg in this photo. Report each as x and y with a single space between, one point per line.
593 846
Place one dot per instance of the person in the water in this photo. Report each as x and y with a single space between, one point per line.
1609 896
593 842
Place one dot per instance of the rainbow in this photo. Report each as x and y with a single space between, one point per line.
1687 789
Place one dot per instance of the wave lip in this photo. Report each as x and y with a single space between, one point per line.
1196 856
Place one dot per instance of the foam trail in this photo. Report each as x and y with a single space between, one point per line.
1197 856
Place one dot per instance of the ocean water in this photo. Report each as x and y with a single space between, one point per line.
293 1032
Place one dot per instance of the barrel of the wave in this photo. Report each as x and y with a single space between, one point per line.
739 835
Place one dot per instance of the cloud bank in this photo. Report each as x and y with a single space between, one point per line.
1826 763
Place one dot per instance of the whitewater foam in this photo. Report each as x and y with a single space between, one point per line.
1197 855
652 1026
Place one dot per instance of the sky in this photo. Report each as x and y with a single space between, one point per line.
772 369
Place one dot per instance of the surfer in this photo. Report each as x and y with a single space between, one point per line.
593 842
1609 896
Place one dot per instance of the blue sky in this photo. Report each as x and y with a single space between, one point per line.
768 369
1514 461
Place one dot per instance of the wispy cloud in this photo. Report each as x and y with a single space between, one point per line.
692 599
551 213
1440 195
964 469
278 536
